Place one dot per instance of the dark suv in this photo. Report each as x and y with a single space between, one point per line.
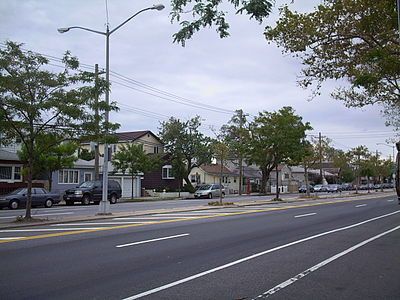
92 191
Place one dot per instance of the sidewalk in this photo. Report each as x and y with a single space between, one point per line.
69 219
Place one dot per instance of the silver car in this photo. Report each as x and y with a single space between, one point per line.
209 191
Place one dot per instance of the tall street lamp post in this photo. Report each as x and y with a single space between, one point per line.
104 207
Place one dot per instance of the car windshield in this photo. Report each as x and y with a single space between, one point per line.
87 184
204 187
19 191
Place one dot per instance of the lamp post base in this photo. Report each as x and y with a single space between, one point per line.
104 208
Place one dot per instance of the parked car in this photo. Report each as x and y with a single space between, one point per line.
320 188
209 191
303 188
334 188
92 191
19 197
346 186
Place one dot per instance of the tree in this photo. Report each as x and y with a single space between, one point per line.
86 154
276 138
235 133
355 40
207 13
357 155
221 153
309 158
35 102
133 160
368 168
186 144
51 153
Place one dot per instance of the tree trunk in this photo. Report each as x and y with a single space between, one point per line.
264 178
277 182
28 215
306 180
220 183
240 174
132 187
50 180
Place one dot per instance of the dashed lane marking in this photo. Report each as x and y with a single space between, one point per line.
305 215
153 240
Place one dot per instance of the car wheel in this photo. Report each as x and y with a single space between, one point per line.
14 204
48 203
209 196
86 200
113 199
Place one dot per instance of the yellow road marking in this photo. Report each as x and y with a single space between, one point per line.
66 233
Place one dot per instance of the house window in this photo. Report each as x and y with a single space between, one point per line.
88 177
68 176
286 176
167 172
156 149
17 173
5 172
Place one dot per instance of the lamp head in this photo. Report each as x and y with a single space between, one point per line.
62 30
158 6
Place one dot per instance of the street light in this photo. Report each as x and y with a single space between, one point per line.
104 207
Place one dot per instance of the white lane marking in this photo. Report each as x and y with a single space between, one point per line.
153 240
102 223
12 238
50 229
390 200
153 218
321 264
40 215
361 205
306 215
198 275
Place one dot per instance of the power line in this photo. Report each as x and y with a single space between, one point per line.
148 89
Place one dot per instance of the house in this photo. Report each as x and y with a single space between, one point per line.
313 175
84 171
283 180
10 171
208 174
155 180
251 175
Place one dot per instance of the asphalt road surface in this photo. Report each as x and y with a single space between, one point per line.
61 211
347 249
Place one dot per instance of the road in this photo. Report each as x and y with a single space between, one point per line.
342 249
60 212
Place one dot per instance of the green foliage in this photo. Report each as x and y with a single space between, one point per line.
35 102
208 13
50 154
346 175
353 40
86 154
185 144
276 138
132 159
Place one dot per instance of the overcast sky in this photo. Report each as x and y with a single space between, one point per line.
214 76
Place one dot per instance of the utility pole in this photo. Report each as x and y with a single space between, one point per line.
240 152
96 118
320 157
